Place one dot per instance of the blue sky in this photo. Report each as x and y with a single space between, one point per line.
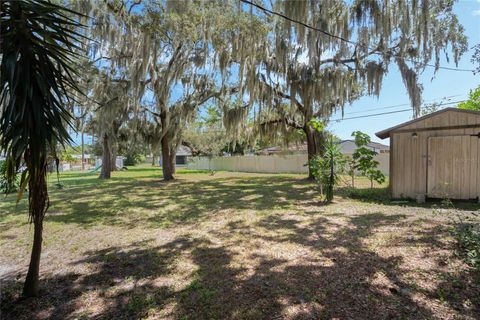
445 83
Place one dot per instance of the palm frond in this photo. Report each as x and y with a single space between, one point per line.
37 72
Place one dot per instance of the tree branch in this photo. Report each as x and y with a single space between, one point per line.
110 58
284 95
137 2
292 124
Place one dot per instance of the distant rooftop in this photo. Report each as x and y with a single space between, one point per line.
375 145
184 151
302 148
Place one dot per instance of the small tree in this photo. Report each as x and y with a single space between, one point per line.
36 79
363 159
473 101
327 169
350 163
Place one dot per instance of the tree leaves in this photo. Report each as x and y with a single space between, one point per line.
473 102
36 75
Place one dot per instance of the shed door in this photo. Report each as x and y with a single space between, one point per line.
452 167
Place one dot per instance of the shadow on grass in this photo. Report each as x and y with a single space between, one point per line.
127 201
145 280
382 196
137 196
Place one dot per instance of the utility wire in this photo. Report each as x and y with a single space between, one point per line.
403 104
390 112
338 37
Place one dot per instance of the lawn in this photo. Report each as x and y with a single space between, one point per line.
232 246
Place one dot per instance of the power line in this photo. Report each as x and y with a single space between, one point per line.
338 37
390 112
401 105
371 115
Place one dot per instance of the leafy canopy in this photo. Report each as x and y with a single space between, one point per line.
473 102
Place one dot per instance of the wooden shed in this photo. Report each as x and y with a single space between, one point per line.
436 156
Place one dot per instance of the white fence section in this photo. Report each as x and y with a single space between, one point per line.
118 162
64 167
266 164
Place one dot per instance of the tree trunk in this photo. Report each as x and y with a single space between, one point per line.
38 205
173 156
114 159
311 148
315 145
114 147
31 286
106 159
83 152
153 160
166 160
331 181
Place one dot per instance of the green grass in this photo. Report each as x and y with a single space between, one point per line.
232 246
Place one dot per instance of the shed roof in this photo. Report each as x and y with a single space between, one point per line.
386 133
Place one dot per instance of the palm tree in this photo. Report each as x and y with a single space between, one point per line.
36 75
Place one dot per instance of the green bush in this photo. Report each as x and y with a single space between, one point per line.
132 159
368 195
468 237
5 185
327 169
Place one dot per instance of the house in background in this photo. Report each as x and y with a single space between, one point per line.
291 149
88 161
183 152
346 147
291 159
349 147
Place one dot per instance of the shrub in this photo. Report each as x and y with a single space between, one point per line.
327 169
5 185
132 159
468 237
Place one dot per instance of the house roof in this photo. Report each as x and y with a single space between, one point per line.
184 151
386 133
291 148
372 144
303 147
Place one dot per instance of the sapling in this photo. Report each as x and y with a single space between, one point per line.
364 159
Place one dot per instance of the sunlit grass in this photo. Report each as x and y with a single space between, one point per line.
216 245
